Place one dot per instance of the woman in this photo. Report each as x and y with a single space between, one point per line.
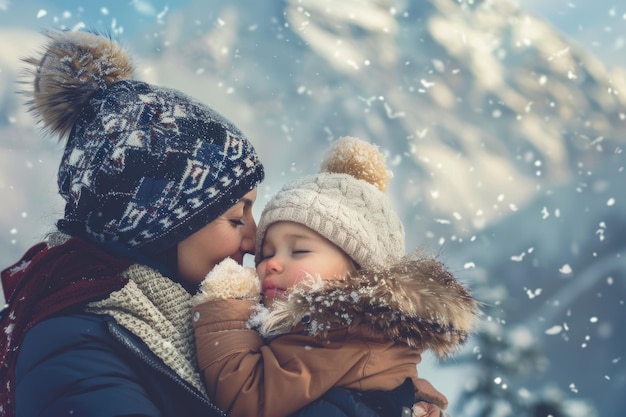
158 189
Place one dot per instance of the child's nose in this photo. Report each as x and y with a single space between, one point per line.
273 265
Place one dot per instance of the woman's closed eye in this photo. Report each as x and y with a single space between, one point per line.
237 222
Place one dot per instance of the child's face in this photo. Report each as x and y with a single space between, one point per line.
290 253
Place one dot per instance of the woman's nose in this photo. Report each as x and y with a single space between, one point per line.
249 236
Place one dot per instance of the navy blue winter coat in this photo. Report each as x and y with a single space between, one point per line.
343 402
106 361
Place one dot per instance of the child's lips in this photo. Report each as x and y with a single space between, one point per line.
273 292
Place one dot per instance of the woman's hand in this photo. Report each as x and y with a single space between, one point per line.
229 280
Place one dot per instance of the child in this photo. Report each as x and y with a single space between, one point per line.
347 308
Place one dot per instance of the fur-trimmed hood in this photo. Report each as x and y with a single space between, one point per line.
415 301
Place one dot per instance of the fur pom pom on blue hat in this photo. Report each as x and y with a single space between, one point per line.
144 167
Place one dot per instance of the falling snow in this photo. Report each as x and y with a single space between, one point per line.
565 269
507 145
554 330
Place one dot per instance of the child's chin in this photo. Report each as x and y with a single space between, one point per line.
268 301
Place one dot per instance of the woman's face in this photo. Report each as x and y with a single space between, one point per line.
230 235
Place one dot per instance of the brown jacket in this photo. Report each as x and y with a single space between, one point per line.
366 332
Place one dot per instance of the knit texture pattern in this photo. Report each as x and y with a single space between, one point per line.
49 278
148 167
156 310
352 213
144 166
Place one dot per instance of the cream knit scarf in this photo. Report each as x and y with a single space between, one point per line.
157 310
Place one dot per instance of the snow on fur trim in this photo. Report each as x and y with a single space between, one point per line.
362 160
415 301
72 68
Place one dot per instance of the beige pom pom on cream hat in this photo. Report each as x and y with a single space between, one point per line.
346 203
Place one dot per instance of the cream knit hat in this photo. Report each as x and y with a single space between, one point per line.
345 203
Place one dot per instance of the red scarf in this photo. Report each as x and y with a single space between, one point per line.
44 282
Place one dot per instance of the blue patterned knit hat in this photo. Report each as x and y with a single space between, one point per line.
144 167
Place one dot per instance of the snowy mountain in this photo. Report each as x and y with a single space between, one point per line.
479 106
505 138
